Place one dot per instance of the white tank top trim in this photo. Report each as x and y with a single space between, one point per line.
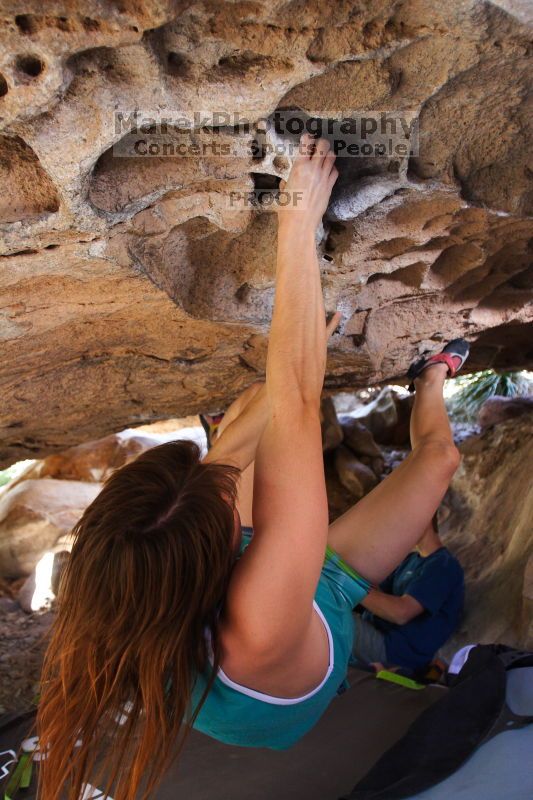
285 701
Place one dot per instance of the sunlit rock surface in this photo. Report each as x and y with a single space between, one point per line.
132 291
489 530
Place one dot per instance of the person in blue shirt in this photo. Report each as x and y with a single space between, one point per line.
415 610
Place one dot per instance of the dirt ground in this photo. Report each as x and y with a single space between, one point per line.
22 644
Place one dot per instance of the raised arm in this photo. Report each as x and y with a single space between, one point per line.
238 443
269 602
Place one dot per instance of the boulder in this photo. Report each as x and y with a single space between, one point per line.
378 466
357 478
404 405
488 528
34 515
387 417
95 461
92 461
332 433
40 588
498 409
381 416
359 439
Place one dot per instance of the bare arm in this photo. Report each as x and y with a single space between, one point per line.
238 443
269 601
399 610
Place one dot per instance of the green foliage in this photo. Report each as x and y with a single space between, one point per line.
11 472
477 387
5 476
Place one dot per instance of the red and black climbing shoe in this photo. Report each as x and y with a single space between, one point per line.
453 355
210 423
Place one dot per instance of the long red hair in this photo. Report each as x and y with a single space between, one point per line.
148 571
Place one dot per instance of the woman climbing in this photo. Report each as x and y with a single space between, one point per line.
172 614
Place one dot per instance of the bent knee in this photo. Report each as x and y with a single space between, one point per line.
442 454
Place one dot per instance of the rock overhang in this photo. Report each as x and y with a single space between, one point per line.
131 290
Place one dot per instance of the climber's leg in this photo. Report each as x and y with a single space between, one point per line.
376 534
246 481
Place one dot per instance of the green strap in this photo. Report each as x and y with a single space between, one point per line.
332 555
21 777
401 680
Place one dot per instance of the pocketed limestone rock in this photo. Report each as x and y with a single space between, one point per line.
155 288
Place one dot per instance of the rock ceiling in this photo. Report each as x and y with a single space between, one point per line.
131 289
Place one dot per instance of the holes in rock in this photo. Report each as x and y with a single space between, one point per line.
63 24
90 24
27 252
177 65
265 186
31 192
419 167
336 229
26 23
241 64
165 163
3 86
200 267
29 65
522 280
412 275
456 260
390 248
242 293
265 182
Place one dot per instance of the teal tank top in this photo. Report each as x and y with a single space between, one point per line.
237 715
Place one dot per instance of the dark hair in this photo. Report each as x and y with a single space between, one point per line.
149 569
435 521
